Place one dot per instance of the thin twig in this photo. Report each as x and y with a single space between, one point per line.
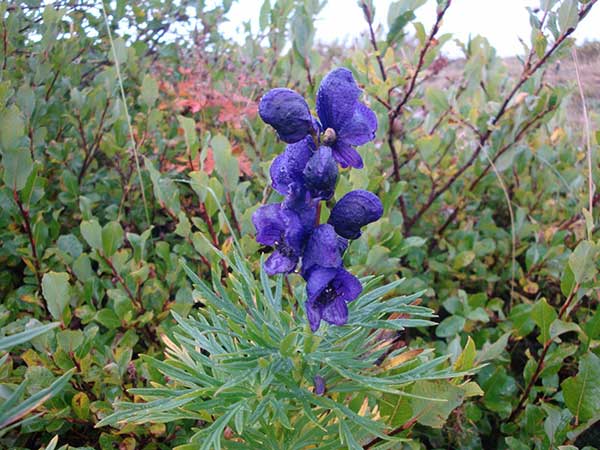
528 71
540 364
27 225
369 17
131 135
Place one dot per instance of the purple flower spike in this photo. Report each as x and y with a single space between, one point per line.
324 249
321 174
328 291
346 121
287 112
282 230
353 211
287 168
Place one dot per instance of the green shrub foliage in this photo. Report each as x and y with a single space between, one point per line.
135 311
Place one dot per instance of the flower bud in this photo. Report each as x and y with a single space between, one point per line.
321 173
355 210
287 112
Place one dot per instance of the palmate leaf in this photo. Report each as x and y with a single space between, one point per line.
12 411
7 342
246 360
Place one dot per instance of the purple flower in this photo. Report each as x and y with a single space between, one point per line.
299 201
320 174
324 249
287 168
353 211
282 229
328 290
346 121
287 112
319 383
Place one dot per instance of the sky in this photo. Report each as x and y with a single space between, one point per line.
501 21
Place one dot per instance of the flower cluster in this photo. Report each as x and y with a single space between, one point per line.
306 174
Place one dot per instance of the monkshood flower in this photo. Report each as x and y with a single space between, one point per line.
323 249
344 121
328 291
281 229
353 211
321 174
305 174
288 167
287 112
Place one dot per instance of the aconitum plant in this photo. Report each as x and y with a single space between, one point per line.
306 174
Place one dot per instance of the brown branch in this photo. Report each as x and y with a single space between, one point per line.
27 226
528 71
234 219
369 17
393 114
540 364
136 303
421 61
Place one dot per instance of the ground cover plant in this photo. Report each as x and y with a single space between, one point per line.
278 244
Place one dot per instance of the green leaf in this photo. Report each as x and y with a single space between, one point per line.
92 233
81 405
568 15
582 392
463 259
17 167
165 190
9 415
430 413
112 238
55 287
7 342
149 91
188 125
69 243
583 261
108 318
436 99
12 128
543 315
466 359
450 326
69 340
226 164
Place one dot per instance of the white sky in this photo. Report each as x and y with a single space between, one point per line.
501 21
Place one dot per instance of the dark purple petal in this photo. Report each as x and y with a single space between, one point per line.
295 233
299 201
336 98
321 173
353 211
323 249
346 285
287 168
318 280
347 155
287 112
328 290
335 312
361 128
269 224
279 262
313 313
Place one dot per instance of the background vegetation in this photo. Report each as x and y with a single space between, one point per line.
131 149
